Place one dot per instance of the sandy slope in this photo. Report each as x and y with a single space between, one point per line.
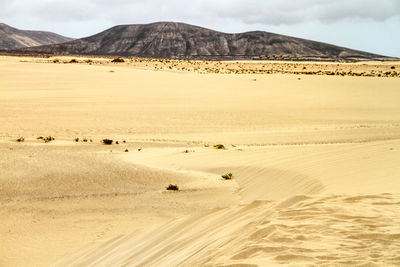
315 165
332 213
323 231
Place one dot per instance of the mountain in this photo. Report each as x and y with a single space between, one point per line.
180 40
12 38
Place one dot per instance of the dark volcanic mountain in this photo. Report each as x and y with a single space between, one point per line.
179 40
12 38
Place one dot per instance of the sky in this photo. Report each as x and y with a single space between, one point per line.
368 25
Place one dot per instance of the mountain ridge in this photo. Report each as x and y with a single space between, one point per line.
13 38
181 40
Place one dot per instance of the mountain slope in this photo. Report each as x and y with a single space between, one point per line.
12 38
179 40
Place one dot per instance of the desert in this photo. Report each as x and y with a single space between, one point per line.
313 149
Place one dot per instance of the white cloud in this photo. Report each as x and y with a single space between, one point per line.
272 12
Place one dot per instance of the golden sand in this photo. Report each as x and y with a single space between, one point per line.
314 161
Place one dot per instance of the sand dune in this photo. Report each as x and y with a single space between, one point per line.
314 160
301 230
277 172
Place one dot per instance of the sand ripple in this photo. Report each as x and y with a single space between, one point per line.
323 231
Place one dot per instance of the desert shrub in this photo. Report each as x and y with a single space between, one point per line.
40 138
56 61
84 140
21 139
48 139
172 187
117 142
73 61
392 67
118 60
126 150
219 146
91 140
107 141
76 139
227 176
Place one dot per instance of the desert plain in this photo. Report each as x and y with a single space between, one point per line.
314 149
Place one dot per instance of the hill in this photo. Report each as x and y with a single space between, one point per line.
180 40
12 38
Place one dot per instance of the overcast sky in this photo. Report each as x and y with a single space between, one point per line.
369 25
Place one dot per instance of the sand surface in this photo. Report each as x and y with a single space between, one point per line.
314 158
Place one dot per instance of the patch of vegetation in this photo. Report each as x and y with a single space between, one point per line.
48 139
117 142
56 61
392 67
118 60
227 176
40 138
107 141
73 61
219 146
84 140
126 150
173 187
20 140
76 139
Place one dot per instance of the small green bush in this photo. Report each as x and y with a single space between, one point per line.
84 140
76 139
219 146
173 187
107 141
21 139
227 176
